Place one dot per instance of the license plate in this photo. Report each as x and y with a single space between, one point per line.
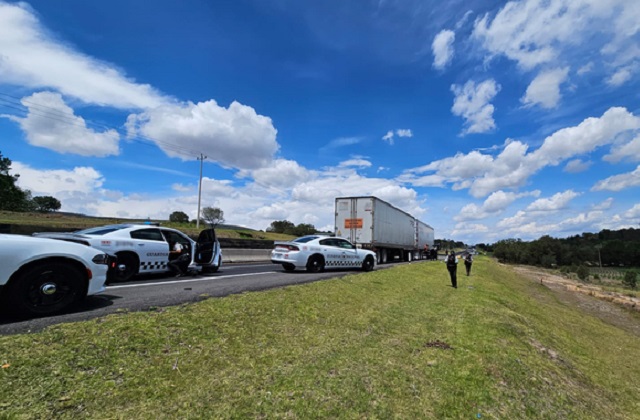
277 255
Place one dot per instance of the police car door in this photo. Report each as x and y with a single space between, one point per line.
349 253
207 247
332 255
152 249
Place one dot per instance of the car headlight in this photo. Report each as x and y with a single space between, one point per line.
101 259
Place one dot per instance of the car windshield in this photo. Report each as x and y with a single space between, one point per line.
102 230
305 239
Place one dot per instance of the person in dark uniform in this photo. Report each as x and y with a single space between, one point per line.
179 260
452 266
468 260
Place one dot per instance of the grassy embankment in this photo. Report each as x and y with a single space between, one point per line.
69 222
392 343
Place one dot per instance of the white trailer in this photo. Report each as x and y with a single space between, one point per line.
374 224
424 236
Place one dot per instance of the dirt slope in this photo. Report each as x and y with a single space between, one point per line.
613 308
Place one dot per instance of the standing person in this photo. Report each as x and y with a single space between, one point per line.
468 260
452 266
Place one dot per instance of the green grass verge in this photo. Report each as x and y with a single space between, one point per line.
68 222
394 343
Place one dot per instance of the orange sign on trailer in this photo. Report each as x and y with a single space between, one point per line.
353 223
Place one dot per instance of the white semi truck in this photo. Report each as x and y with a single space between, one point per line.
374 224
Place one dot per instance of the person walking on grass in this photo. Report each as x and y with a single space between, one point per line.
452 267
468 260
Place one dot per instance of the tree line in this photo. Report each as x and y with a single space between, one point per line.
14 198
211 215
287 227
609 248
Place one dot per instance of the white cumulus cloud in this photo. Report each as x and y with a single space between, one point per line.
619 182
534 33
624 151
31 56
483 173
544 90
442 48
52 124
401 132
494 204
576 165
57 182
554 203
472 102
234 137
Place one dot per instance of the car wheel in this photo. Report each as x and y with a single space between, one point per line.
315 264
127 267
367 264
46 288
210 269
288 267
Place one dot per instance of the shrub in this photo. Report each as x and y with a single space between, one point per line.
630 279
583 273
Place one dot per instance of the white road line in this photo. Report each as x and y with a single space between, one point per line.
159 283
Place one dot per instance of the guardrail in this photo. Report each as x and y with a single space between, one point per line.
232 255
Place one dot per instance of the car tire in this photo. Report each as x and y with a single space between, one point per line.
209 269
288 267
131 265
315 264
46 288
368 263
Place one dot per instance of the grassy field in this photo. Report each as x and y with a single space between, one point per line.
69 222
394 343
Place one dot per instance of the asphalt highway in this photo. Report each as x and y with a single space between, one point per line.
151 292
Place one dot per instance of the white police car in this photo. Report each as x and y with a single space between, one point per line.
316 252
144 248
41 276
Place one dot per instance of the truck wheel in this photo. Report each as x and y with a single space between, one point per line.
368 263
315 264
383 256
46 288
127 266
288 267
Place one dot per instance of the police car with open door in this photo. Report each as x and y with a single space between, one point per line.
145 248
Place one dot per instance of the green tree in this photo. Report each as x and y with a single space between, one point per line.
12 198
304 229
179 217
282 226
213 215
46 203
630 279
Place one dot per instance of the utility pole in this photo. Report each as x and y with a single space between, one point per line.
201 159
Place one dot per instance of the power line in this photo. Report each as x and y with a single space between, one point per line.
45 111
52 113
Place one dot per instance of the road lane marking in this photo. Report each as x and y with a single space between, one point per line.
158 283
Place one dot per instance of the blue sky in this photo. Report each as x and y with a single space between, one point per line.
485 119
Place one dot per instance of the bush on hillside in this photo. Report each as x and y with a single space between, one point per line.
583 273
630 279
